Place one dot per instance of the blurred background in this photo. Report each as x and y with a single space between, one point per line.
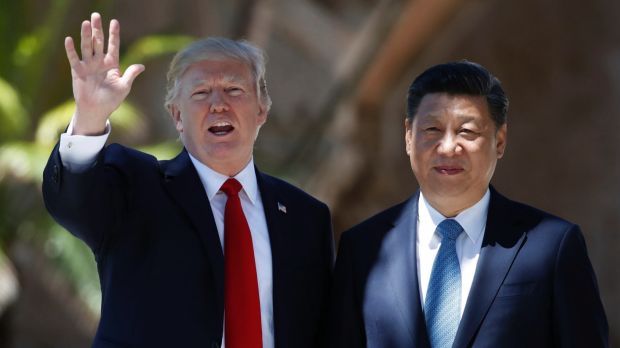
338 72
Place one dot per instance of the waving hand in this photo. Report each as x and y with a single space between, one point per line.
99 87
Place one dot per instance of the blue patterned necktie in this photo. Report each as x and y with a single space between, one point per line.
442 307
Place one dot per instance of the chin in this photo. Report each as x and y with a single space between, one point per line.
449 190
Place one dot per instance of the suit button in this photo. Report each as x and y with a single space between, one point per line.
55 173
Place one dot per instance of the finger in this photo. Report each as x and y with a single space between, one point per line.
98 36
131 73
86 41
114 41
72 55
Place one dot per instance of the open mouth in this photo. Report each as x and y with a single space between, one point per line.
221 128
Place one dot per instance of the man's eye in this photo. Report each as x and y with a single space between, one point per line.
235 91
431 129
199 95
467 131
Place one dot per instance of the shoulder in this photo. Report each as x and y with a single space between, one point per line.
532 219
287 191
376 226
118 152
122 157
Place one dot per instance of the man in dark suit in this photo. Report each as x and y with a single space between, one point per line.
203 250
458 264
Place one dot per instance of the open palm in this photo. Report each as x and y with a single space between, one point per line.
98 85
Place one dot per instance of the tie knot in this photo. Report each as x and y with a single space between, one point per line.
231 187
450 229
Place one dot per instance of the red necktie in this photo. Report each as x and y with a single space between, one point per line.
241 302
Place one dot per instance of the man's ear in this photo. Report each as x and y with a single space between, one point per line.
175 115
262 114
500 140
408 136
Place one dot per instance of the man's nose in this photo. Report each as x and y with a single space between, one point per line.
217 102
448 145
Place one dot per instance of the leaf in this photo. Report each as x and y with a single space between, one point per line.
54 122
76 260
162 151
13 118
23 161
153 46
127 118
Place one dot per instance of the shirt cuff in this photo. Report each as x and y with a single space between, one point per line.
78 152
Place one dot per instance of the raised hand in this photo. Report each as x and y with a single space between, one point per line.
99 88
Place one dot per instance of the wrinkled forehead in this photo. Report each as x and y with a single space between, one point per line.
225 78
217 71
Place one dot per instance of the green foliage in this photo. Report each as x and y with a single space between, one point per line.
126 118
35 49
54 122
33 114
11 25
23 161
13 118
153 46
75 259
165 150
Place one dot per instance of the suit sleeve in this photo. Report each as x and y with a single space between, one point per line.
345 324
88 203
579 317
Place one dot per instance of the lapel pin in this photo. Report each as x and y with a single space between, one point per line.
281 207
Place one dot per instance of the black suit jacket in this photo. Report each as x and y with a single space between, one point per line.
159 257
533 287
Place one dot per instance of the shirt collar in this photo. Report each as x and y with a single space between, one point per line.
212 180
472 219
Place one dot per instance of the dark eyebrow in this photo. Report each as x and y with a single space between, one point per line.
465 117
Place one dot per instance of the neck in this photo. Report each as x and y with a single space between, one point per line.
228 168
452 206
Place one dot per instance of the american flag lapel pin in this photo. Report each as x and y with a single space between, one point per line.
282 207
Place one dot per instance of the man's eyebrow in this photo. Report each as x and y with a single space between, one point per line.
464 116
228 78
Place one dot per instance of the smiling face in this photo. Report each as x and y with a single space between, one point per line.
218 114
453 145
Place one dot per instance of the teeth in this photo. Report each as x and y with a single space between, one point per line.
222 124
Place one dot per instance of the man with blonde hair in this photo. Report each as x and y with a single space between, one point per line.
203 250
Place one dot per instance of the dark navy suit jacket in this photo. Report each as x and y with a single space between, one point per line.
159 257
533 287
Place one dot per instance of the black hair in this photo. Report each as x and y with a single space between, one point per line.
455 78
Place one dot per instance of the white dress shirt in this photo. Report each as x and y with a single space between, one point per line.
79 152
252 205
473 220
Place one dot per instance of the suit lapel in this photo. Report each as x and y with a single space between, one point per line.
403 275
183 184
502 241
273 205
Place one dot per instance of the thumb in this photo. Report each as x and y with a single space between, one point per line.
131 73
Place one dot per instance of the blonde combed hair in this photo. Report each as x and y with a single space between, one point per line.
217 48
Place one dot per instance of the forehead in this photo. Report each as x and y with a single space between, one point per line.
449 106
220 70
